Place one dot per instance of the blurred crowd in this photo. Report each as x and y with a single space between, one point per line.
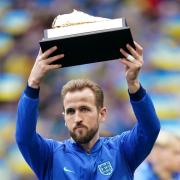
163 163
155 24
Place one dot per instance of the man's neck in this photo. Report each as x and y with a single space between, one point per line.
88 146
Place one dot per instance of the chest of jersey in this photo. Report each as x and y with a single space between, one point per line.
105 164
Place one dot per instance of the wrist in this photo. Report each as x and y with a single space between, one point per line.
32 92
33 83
133 86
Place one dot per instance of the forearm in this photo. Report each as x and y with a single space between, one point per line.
36 150
146 115
147 127
27 115
139 141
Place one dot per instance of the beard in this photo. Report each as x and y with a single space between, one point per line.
82 137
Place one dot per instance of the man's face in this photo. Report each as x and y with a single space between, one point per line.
175 156
81 115
170 157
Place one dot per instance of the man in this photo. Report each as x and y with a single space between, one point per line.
86 156
163 161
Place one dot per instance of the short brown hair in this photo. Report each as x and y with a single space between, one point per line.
79 84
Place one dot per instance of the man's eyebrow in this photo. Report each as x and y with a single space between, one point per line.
84 106
81 106
69 108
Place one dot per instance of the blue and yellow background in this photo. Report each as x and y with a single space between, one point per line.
155 24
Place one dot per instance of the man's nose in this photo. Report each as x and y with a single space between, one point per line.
77 117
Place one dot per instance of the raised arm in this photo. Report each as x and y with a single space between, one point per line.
137 143
35 149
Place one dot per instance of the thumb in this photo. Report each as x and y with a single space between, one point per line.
126 63
39 54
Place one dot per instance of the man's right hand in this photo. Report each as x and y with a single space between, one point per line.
42 66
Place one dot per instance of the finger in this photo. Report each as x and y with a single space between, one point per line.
54 66
133 51
124 52
40 52
139 48
134 64
126 55
54 58
124 61
46 54
39 55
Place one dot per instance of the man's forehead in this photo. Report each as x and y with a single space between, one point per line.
85 95
82 94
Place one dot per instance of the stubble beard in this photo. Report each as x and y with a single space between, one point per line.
84 138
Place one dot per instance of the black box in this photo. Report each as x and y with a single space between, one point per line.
89 47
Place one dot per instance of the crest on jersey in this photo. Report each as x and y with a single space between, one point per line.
105 168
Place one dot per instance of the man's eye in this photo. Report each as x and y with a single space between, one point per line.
70 111
84 109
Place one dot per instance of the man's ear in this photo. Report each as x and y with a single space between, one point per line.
65 123
102 114
64 119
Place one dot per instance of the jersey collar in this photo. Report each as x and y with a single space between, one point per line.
77 147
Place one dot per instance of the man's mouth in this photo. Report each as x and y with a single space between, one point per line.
79 127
